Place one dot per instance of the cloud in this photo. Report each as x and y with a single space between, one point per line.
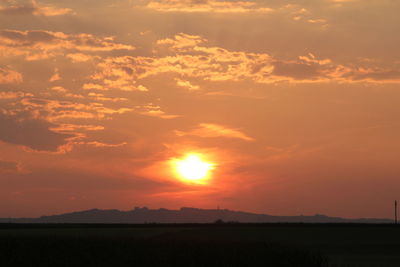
213 6
182 41
209 130
59 89
187 56
93 86
35 9
56 76
79 57
287 10
119 73
76 127
194 58
316 21
41 44
296 70
142 88
187 85
57 110
9 76
53 11
375 75
30 132
190 56
219 64
342 1
99 144
101 97
154 111
14 95
8 167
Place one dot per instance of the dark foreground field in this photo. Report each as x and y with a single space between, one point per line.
211 245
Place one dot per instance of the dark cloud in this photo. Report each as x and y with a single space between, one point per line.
29 36
8 166
30 132
32 8
18 10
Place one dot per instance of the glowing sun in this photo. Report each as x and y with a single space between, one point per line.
193 168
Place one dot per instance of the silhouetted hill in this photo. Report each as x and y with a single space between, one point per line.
183 215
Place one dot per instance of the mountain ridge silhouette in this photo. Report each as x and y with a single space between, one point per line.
183 215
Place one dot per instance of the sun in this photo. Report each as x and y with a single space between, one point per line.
192 168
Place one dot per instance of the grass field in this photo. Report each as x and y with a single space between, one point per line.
201 245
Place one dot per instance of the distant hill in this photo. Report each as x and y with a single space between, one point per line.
183 215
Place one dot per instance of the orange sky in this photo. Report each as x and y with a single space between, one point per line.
295 102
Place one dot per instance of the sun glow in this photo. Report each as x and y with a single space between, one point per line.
193 168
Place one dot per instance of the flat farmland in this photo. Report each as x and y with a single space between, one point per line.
223 244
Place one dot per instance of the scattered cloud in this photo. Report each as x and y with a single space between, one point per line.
189 56
121 88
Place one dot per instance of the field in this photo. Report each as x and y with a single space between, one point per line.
341 245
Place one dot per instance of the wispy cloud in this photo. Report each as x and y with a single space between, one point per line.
14 95
154 111
41 44
211 130
214 6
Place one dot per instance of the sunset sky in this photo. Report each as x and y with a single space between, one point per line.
292 106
